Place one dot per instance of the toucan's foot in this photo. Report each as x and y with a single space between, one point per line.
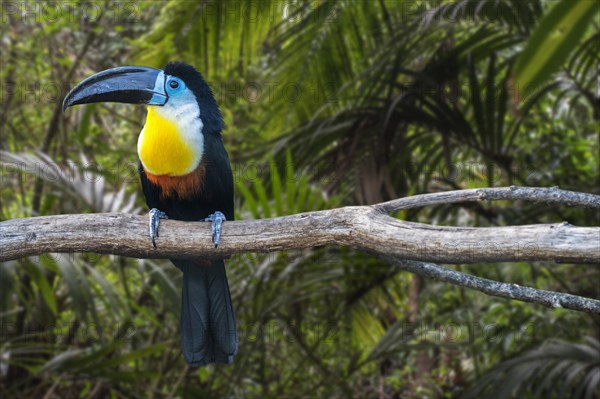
217 220
155 215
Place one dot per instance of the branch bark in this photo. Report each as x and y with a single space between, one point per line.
366 228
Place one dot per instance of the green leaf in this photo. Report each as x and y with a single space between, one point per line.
47 293
302 192
249 199
276 187
107 288
259 189
290 185
132 355
84 125
555 37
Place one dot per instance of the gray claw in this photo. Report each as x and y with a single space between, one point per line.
217 220
154 222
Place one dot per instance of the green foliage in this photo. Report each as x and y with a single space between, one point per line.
555 369
326 104
554 39
294 190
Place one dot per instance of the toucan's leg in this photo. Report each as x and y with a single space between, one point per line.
217 220
154 221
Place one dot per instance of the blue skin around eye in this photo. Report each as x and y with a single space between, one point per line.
175 90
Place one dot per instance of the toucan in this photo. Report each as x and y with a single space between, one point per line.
185 175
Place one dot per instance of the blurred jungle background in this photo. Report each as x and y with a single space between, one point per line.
326 103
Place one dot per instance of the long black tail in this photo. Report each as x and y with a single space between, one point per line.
208 331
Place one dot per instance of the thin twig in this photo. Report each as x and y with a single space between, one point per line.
504 290
552 195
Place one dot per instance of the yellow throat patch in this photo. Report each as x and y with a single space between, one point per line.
163 149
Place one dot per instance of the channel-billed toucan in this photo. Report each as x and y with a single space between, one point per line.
186 175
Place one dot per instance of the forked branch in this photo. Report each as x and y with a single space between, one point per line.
367 228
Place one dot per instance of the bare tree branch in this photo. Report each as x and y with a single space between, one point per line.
504 290
552 195
366 228
357 227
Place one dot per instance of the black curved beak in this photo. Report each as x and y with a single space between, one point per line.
128 84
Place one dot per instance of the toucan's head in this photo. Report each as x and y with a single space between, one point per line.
181 111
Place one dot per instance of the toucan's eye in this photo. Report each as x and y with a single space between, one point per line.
174 85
